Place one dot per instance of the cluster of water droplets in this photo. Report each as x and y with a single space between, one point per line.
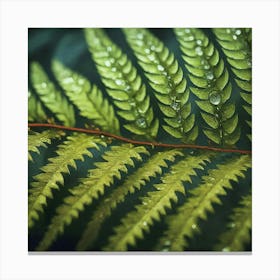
234 32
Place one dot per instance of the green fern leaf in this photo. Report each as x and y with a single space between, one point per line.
237 46
50 96
89 100
40 139
155 203
35 109
92 187
74 148
123 84
238 233
202 197
134 182
166 78
211 78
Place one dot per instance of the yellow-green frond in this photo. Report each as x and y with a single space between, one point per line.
116 160
74 148
50 96
185 222
212 86
35 109
135 181
166 78
238 233
123 84
154 205
88 99
40 139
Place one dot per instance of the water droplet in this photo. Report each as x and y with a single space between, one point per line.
128 88
215 98
194 226
199 42
179 119
187 30
226 249
153 48
141 122
102 136
167 243
140 36
119 82
147 51
44 85
109 49
160 67
191 152
139 43
199 51
175 105
112 60
159 188
232 225
238 32
151 57
249 62
68 80
190 38
114 69
132 102
209 75
228 30
81 81
234 37
145 223
144 203
206 66
107 63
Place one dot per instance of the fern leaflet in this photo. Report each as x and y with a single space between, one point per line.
166 78
92 187
50 96
238 232
35 109
74 148
211 78
89 100
155 203
202 197
135 181
123 84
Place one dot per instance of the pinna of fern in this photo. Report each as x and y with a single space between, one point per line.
145 94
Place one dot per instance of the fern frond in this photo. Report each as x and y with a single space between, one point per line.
211 78
89 100
166 78
238 233
74 148
40 139
134 182
50 96
116 160
202 197
237 46
155 203
123 84
35 109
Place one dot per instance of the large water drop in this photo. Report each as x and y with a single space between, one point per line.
215 98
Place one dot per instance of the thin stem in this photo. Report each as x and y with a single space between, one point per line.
136 142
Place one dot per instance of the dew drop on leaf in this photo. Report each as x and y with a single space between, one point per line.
209 75
68 80
175 105
114 69
44 85
141 122
160 67
228 30
151 57
238 32
199 51
145 223
147 51
199 42
187 30
234 37
119 82
215 98
167 243
81 81
194 226
109 49
107 63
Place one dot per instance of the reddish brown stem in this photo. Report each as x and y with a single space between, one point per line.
136 142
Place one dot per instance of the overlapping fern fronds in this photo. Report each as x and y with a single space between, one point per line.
90 192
